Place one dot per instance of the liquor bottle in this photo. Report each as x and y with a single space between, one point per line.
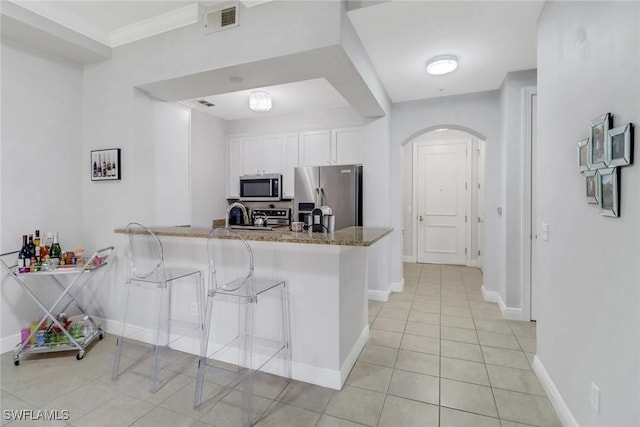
55 251
31 246
36 239
23 255
38 258
48 241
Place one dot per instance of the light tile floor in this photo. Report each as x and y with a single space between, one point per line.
438 355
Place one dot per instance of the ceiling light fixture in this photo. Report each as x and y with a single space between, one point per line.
443 64
260 100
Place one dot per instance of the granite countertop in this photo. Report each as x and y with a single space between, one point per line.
350 236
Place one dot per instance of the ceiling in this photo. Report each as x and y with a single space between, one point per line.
490 38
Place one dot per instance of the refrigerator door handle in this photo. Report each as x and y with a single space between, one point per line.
322 197
317 197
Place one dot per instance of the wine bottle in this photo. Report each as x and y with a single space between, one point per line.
23 256
36 239
55 251
31 246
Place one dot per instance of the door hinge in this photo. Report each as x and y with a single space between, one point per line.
478 252
478 219
478 186
465 251
465 218
465 185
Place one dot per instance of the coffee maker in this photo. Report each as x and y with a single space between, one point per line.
322 220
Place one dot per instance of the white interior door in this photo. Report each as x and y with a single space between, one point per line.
442 202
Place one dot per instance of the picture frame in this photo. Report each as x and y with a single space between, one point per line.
592 195
105 165
583 155
620 146
598 141
609 192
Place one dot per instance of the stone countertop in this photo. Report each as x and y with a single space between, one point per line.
350 236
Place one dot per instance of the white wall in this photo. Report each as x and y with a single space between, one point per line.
42 165
208 169
171 164
587 273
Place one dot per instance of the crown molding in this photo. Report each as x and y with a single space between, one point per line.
175 19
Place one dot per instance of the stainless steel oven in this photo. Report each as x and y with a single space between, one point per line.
260 188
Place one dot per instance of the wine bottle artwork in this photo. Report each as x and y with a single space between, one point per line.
105 165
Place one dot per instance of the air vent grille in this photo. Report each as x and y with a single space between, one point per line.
228 16
206 103
221 19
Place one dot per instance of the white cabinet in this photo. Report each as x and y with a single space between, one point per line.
262 155
315 148
289 163
266 154
346 147
335 147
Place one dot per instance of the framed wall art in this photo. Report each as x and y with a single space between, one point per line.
598 145
591 187
620 146
583 155
608 191
105 165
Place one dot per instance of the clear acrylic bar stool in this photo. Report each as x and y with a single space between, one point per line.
246 323
157 306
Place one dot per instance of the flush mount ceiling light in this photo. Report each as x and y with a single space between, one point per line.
443 64
260 101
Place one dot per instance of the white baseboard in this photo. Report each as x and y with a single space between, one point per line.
378 295
352 357
562 410
397 286
507 312
409 258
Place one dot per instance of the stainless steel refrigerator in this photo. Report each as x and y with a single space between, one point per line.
339 187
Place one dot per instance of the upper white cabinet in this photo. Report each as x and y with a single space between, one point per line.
262 155
315 148
335 147
258 155
290 153
346 146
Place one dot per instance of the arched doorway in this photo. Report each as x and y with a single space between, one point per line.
443 197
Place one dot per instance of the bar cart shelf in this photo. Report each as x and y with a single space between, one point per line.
78 276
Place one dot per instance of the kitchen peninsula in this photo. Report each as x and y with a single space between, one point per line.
327 282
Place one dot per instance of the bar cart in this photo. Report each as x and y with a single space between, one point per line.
78 277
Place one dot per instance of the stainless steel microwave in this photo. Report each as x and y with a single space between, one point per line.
260 188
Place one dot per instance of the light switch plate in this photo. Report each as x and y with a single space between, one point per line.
544 232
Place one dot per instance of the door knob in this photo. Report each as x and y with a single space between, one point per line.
420 218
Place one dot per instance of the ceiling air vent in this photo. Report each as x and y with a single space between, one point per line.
222 18
206 103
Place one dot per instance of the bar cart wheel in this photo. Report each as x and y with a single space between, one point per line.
80 355
101 336
16 360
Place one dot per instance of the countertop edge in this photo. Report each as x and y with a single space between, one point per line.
350 236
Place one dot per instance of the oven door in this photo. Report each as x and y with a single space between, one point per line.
260 188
